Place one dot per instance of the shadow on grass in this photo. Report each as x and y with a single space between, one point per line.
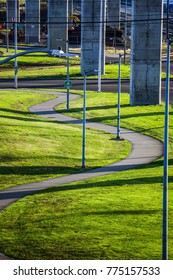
107 107
30 116
122 212
83 185
38 170
124 117
75 110
112 183
120 182
10 194
14 111
28 119
101 107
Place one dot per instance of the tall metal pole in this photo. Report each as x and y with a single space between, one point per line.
15 46
119 97
67 50
68 76
125 32
84 125
100 46
166 143
7 27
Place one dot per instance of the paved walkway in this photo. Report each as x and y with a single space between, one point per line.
145 149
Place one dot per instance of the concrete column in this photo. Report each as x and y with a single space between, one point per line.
113 13
57 24
70 11
145 83
10 12
70 6
32 21
90 27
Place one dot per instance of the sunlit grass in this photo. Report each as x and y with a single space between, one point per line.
112 217
43 66
34 148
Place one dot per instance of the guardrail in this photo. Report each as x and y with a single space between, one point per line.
23 53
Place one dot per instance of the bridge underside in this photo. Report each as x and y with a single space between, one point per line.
146 39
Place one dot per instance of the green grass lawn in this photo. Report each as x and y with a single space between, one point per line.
112 217
42 66
102 108
34 148
115 217
35 60
41 72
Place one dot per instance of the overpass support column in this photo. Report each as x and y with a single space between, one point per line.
57 24
70 6
10 12
90 28
32 21
145 83
113 13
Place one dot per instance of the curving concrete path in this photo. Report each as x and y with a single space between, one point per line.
145 149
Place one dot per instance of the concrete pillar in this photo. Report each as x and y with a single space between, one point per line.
70 6
10 12
90 27
113 13
70 11
32 21
57 24
145 83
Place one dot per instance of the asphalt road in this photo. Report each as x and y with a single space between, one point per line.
107 85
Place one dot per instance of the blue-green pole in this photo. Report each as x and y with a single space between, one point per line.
15 46
7 26
68 77
166 143
119 97
84 125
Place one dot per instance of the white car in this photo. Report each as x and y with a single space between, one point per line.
58 53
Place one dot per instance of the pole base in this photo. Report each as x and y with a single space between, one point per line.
117 139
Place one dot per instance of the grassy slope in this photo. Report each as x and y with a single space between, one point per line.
41 66
103 108
34 148
60 72
34 60
113 217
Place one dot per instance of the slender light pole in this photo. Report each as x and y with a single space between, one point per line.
166 143
67 73
84 124
68 77
125 32
119 97
67 50
100 47
15 46
7 26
